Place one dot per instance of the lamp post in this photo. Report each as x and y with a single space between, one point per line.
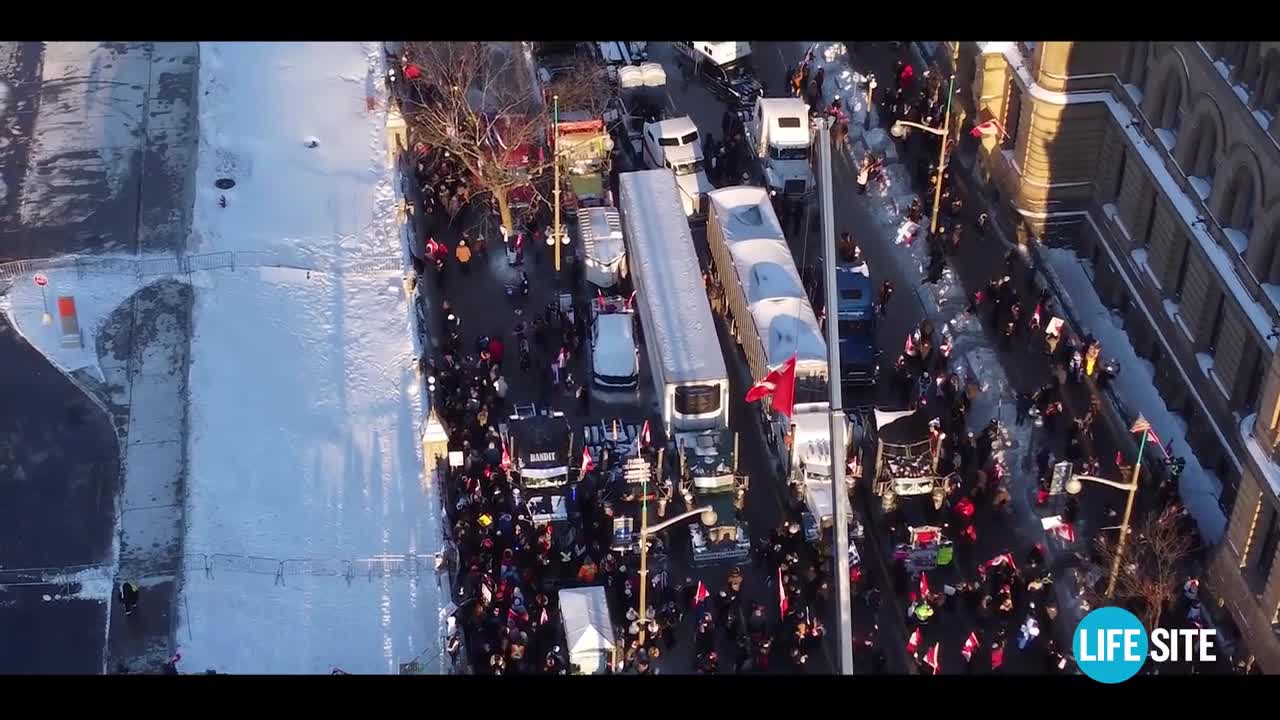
708 518
897 130
1074 486
555 155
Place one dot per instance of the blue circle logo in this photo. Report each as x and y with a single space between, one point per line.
1110 645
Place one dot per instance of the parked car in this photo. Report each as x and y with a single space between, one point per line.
615 357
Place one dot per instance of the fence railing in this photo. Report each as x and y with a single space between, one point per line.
411 565
141 267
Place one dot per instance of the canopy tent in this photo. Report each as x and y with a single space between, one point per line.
587 629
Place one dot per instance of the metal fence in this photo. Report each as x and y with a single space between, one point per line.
411 565
141 267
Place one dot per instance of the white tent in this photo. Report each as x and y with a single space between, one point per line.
587 628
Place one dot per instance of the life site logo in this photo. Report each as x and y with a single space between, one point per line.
1111 645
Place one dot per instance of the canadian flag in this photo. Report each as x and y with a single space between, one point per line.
506 458
913 642
931 657
702 594
600 297
970 645
779 384
924 586
987 129
631 299
543 620
587 464
997 656
782 596
643 439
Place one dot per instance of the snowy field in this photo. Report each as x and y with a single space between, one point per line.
304 452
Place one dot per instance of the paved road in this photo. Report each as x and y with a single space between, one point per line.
97 149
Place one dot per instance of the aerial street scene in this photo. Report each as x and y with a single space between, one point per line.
640 358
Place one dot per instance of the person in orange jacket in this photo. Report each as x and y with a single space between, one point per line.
463 253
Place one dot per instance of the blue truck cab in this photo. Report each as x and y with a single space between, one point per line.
859 357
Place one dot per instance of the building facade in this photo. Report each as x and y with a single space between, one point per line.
1159 162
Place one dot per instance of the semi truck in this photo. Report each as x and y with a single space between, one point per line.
675 144
772 319
690 380
780 135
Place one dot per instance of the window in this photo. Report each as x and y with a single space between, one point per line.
1215 333
669 142
1254 391
1013 116
854 293
690 138
1267 553
1124 157
1182 272
788 122
697 399
689 168
791 153
1151 223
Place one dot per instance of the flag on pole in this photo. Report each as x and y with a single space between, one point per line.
600 297
997 656
931 657
913 642
782 596
644 434
989 128
970 645
506 458
1140 424
587 464
631 299
780 384
543 620
924 586
702 594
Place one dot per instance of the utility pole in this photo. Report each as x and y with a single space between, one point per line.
644 542
555 157
942 155
1128 513
839 497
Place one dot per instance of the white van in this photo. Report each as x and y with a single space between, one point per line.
675 144
615 357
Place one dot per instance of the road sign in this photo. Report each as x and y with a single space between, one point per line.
41 279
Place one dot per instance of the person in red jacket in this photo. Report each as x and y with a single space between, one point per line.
495 350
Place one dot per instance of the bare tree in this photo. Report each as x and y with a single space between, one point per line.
1151 568
482 102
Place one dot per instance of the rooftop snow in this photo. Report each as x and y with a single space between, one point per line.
789 327
666 271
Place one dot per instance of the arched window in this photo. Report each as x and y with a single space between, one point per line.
1197 152
1266 94
1236 205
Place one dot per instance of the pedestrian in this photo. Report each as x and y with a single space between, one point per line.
129 596
886 293
818 78
864 174
555 372
463 254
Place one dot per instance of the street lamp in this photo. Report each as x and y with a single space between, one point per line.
897 130
708 517
1074 486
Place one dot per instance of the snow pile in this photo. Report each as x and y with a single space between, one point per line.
1199 488
308 510
91 583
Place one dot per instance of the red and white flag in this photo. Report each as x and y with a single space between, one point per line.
1142 425
997 656
631 299
970 645
924 586
587 463
782 596
702 594
913 642
506 458
600 297
543 620
1066 532
780 384
989 128
645 438
931 657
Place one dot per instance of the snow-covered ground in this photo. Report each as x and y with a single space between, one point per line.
304 449
1199 488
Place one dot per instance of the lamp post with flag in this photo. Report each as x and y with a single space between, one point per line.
1141 425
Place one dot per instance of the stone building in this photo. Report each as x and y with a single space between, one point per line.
1159 162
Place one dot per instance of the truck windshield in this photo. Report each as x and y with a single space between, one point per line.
689 168
855 328
789 153
669 142
697 399
690 138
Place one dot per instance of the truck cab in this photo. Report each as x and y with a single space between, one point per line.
810 473
859 356
708 479
676 145
780 136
